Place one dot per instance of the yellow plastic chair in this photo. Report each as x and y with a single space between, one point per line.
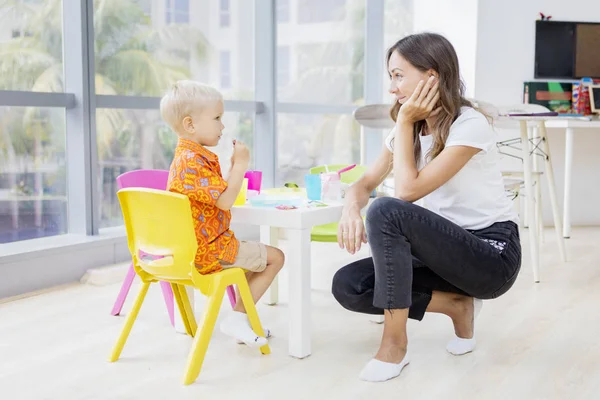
160 223
328 232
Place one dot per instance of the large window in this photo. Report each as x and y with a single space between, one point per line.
33 191
140 48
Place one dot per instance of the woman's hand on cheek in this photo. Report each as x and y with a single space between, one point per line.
421 103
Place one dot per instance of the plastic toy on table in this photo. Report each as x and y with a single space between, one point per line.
284 207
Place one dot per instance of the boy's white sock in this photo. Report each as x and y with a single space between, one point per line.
459 346
236 325
379 371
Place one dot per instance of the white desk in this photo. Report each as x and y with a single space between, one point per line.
569 125
297 224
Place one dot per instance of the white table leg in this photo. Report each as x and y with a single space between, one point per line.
568 173
552 189
539 215
519 208
533 237
539 223
298 265
179 326
270 236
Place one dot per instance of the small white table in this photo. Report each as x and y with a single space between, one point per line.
297 225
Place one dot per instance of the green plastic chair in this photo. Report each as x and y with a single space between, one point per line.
328 232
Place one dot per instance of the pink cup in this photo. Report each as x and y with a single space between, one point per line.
254 180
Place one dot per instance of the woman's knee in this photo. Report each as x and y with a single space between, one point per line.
352 285
382 208
341 285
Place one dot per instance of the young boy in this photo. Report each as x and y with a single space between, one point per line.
194 112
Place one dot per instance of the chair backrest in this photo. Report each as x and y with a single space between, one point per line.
522 108
348 177
376 116
159 223
487 108
144 178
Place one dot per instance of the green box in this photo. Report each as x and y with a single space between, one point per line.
556 96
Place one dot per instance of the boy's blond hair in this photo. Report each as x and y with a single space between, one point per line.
184 97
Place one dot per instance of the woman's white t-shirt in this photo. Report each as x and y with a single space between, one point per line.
474 198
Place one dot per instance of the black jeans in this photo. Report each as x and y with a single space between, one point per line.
416 251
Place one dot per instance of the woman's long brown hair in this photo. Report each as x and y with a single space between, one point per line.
430 51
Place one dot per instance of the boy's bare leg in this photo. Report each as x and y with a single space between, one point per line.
259 282
237 325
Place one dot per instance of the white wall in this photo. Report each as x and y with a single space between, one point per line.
505 58
457 21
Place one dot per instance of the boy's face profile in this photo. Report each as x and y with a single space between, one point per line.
205 126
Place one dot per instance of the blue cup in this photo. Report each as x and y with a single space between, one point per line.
313 186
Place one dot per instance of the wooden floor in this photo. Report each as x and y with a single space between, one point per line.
539 341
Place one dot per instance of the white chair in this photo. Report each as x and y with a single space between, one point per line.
533 132
373 116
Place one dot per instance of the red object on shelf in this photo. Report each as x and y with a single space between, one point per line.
582 105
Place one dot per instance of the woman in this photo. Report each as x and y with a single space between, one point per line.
464 245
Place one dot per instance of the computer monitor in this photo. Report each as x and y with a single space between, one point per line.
567 50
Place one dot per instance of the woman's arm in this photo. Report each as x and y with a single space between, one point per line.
351 229
357 196
410 184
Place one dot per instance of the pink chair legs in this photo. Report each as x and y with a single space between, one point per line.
166 291
231 295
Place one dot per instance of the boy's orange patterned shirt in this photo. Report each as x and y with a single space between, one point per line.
195 173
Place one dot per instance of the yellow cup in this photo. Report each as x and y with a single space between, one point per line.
240 200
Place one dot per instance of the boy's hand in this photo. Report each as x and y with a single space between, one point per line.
241 154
